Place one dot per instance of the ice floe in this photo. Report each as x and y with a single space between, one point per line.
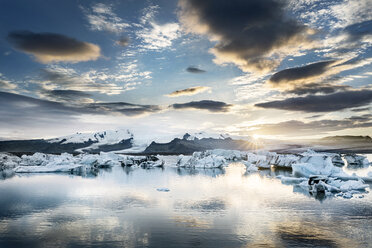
65 162
356 161
313 171
163 189
202 160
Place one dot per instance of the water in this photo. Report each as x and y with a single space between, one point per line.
204 208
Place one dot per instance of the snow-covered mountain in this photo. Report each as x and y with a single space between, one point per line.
126 141
103 138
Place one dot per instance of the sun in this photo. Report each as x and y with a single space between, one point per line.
256 136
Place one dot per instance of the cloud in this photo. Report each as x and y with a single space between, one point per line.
189 91
15 108
299 128
102 18
124 41
193 69
127 109
314 88
51 47
359 31
302 72
251 34
156 36
322 103
56 78
7 85
360 109
311 78
67 96
351 12
212 106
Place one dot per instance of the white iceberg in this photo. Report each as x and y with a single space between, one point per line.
8 161
202 160
65 162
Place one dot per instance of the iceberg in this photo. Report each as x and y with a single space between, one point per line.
65 162
202 160
356 161
8 161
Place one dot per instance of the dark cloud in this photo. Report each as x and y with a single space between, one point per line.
16 108
66 95
302 72
122 108
124 41
51 47
213 106
360 109
248 32
193 69
299 128
313 116
188 91
322 103
314 88
358 31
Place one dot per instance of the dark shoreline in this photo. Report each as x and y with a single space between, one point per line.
282 151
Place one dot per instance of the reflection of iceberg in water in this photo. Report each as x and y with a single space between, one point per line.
5 174
200 171
297 233
271 172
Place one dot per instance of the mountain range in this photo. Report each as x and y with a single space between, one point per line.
124 141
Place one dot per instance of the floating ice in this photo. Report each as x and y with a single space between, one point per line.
65 162
356 161
202 160
163 189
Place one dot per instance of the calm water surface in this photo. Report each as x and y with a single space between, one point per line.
204 208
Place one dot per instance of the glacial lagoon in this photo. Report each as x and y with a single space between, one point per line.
129 207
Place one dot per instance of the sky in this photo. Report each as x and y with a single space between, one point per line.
278 69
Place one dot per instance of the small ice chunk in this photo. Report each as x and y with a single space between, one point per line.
353 185
347 195
152 164
250 167
163 189
292 180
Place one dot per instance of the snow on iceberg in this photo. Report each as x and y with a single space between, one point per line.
8 161
202 160
65 162
323 162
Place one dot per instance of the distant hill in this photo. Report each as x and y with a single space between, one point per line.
348 138
188 145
